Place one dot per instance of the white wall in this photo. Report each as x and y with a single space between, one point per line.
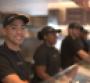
34 7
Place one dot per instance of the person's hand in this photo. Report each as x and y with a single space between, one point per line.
25 81
64 79
52 80
72 73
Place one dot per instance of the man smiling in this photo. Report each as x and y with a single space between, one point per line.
12 65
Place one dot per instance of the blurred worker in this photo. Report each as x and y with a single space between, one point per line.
71 47
12 66
47 58
84 35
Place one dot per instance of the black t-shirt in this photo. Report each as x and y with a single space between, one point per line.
12 62
69 49
48 56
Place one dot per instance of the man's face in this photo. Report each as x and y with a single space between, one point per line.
76 32
15 32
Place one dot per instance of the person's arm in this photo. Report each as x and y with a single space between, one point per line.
79 50
84 55
7 73
13 78
41 72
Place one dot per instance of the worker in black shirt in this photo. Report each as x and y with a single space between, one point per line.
47 58
71 47
12 66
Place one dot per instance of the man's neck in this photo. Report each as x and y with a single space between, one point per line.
13 47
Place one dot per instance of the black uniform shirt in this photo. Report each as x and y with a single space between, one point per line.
12 62
69 49
49 57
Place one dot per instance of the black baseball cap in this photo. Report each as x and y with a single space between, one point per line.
46 30
12 17
75 25
84 31
49 29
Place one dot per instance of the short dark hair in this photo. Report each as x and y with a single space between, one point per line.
74 25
